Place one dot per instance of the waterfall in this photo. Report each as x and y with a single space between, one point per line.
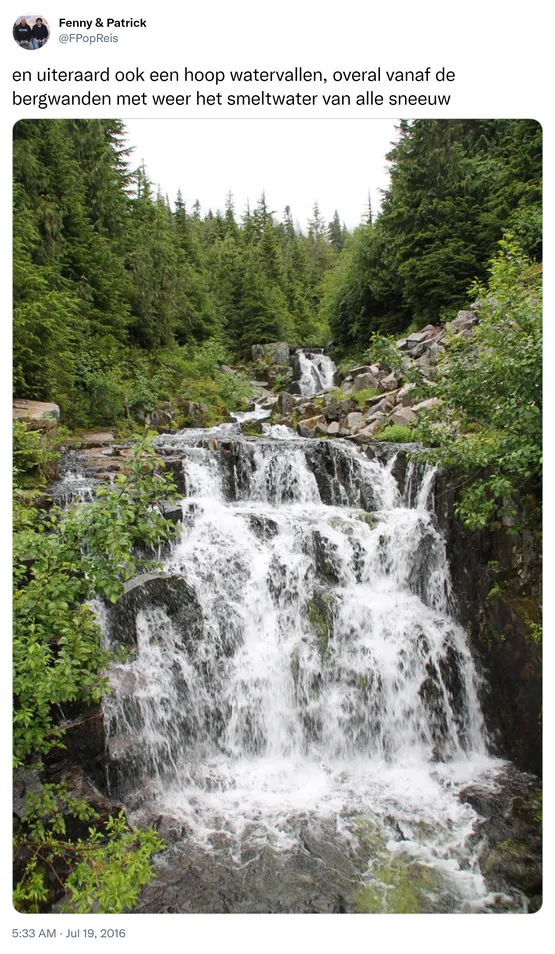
316 372
330 688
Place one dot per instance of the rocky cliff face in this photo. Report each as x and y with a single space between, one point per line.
497 579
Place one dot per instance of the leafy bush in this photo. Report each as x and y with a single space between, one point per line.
62 559
104 872
33 456
490 427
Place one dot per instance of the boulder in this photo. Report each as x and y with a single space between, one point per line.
368 433
401 344
337 411
353 422
321 429
390 383
406 395
403 415
354 372
417 349
428 404
38 415
171 511
276 352
464 321
378 398
98 439
285 402
268 402
382 407
416 338
307 428
365 381
333 428
166 591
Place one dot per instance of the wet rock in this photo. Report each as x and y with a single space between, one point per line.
171 511
510 852
498 620
174 467
167 591
264 527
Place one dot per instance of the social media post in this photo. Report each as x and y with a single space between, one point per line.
277 434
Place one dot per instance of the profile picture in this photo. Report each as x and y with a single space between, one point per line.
31 31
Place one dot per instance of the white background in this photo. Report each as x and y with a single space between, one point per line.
501 52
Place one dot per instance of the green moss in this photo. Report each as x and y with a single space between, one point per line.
370 836
320 615
509 850
369 518
252 428
398 887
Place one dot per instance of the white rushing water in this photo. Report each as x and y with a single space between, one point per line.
331 682
316 372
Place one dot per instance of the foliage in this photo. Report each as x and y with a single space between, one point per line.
103 871
33 455
396 433
116 293
491 385
363 396
62 560
456 187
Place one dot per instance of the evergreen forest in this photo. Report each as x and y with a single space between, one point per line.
143 323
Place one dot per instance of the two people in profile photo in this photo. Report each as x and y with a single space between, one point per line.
31 32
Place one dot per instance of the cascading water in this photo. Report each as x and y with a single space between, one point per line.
322 722
316 372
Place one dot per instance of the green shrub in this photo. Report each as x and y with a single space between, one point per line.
104 871
33 456
396 433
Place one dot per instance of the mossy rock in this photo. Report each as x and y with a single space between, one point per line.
319 612
398 887
369 518
252 428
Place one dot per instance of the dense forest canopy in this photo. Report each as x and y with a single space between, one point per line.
119 294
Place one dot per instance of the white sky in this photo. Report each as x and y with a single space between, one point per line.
295 162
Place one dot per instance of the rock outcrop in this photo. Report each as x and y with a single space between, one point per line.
166 591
